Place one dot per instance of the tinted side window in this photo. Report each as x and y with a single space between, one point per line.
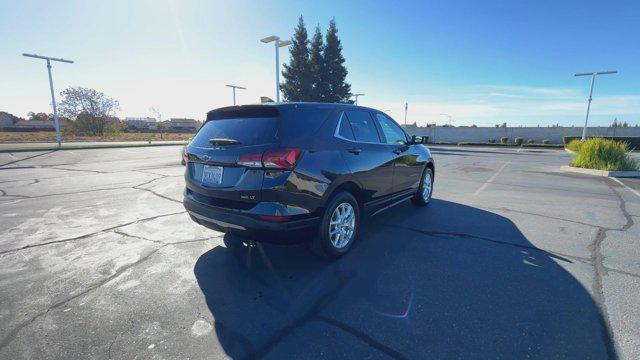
363 127
345 128
391 130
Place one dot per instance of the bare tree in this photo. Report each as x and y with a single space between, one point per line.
88 107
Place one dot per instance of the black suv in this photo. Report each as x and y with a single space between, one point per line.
289 171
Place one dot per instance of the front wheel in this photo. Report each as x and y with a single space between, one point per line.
425 190
339 226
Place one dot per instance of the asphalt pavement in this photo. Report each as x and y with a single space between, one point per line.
512 259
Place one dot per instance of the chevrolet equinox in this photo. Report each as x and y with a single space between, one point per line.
289 171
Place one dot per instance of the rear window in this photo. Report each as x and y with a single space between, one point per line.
300 123
248 131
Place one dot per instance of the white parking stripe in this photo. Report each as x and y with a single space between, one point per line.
626 186
484 186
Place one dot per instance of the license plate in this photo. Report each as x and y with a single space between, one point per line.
212 175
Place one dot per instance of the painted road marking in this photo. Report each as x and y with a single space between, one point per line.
484 186
626 186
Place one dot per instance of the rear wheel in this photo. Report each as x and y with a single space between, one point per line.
339 226
425 190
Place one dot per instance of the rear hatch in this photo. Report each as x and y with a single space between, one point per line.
224 167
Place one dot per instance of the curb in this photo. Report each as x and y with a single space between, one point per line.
569 151
606 173
88 147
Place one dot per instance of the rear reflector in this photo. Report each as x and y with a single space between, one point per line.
284 159
274 218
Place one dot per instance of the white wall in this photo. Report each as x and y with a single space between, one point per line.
483 134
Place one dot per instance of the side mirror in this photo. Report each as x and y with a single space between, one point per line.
419 139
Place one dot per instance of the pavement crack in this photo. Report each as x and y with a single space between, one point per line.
541 215
597 258
12 334
123 233
27 158
79 170
158 195
363 336
313 313
70 193
448 234
87 235
139 187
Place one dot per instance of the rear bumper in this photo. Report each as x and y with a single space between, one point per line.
248 224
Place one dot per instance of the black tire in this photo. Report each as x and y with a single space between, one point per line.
322 244
418 199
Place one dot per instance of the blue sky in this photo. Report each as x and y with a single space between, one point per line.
483 62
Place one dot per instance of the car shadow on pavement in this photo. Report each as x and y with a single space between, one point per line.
447 281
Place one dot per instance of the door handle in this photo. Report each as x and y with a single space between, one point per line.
355 151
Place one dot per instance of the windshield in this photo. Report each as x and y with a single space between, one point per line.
247 131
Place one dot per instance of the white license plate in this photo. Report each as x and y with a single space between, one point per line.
212 175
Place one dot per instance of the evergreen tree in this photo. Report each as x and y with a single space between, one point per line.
335 71
297 74
320 90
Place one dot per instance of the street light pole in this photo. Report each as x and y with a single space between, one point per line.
278 44
234 87
356 96
53 97
406 107
593 81
449 116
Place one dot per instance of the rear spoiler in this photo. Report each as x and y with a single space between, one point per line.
243 111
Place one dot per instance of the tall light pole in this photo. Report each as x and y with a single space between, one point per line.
356 96
593 80
234 87
53 96
406 107
278 44
449 116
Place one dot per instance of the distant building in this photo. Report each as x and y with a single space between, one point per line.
183 125
111 120
142 123
34 125
5 121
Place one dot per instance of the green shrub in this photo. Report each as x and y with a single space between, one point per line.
603 154
518 141
546 141
504 139
633 142
492 141
530 141
574 145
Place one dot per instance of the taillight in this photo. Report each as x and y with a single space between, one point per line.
185 154
272 159
281 159
253 160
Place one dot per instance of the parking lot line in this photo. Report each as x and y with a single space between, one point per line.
484 186
626 186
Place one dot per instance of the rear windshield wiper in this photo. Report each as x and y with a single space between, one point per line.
224 141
